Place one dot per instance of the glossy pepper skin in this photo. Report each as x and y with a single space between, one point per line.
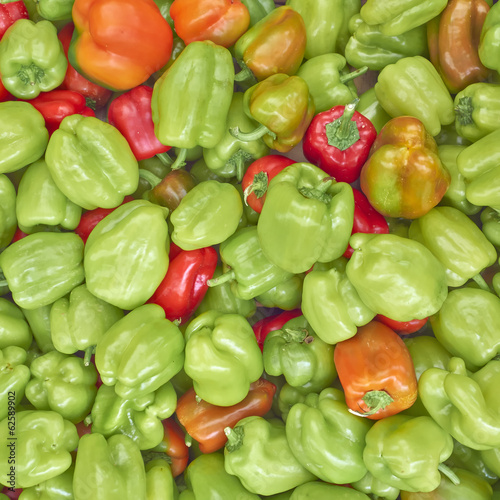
488 41
144 337
272 467
44 440
8 218
110 469
160 482
273 322
14 377
222 357
404 176
287 295
258 9
141 228
372 486
370 107
57 487
43 267
431 102
120 26
14 330
338 141
206 422
303 192
25 72
407 452
324 437
9 13
39 322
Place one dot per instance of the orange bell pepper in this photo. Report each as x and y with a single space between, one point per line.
119 44
221 21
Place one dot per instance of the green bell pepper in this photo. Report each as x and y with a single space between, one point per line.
79 321
140 352
110 469
395 276
201 173
56 488
39 322
32 58
258 453
138 418
222 357
63 384
286 295
489 45
207 215
40 202
370 107
39 445
43 267
126 254
23 136
207 479
407 452
491 460
326 438
449 135
258 9
307 217
91 162
230 157
316 489
467 325
298 353
465 405
490 225
160 484
8 219
415 76
368 46
14 330
456 241
14 375
396 17
375 488
55 10
288 396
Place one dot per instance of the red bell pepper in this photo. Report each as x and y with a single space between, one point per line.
258 176
12 494
10 13
366 219
130 113
205 422
402 327
271 323
185 284
338 141
57 104
18 235
5 95
96 95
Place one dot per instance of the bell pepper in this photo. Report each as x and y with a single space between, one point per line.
190 91
8 218
14 375
55 488
329 81
142 231
392 178
408 452
288 396
9 13
143 338
185 284
415 76
268 324
373 487
299 354
206 477
396 17
39 322
31 58
326 438
466 324
488 43
258 9
376 372
63 384
121 25
221 22
304 204
402 327
23 136
160 484
138 418
413 284
370 107
95 95
338 141
222 357
131 114
450 136
43 267
41 203
490 225
275 44
206 216
206 422
258 453
78 321
110 469
14 330
41 443
286 295
55 10
463 404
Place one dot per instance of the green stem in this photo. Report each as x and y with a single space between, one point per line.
376 401
258 186
88 355
345 120
223 278
87 420
353 74
463 111
165 158
188 440
234 438
259 132
30 75
180 161
481 282
245 74
152 179
296 335
446 471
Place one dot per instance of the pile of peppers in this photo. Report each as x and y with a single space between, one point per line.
249 249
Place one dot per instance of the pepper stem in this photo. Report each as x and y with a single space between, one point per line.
87 420
223 278
240 160
152 179
376 401
481 282
30 75
165 158
180 161
446 471
88 355
463 110
259 132
298 335
343 132
319 192
245 74
354 74
258 186
234 438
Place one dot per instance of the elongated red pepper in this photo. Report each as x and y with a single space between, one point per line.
58 104
10 13
366 219
258 176
185 284
338 141
131 114
271 323
402 327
